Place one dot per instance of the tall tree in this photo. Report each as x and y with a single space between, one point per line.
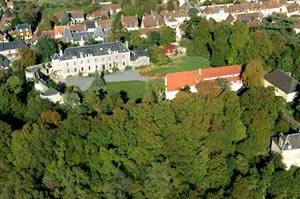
253 74
46 47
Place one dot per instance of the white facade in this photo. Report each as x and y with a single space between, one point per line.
90 64
288 147
170 95
288 97
11 54
141 61
55 98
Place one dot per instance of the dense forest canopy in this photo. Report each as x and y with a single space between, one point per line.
214 146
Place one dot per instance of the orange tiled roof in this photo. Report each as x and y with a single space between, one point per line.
129 21
60 29
221 71
177 81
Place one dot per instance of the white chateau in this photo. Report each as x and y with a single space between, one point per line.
99 57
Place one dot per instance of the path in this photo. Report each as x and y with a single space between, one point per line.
84 82
291 120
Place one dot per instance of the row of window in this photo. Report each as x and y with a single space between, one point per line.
103 67
95 60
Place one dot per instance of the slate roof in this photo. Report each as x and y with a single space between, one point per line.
68 35
4 62
12 45
105 24
94 50
290 141
90 24
23 27
78 36
98 32
49 92
283 81
134 55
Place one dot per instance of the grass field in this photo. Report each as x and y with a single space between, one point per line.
181 64
134 89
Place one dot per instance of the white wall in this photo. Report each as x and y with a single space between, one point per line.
90 64
291 157
287 97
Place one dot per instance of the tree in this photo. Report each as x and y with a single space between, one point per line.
154 38
156 88
253 74
170 5
46 47
65 19
27 58
167 35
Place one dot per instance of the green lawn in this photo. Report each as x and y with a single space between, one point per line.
134 89
181 64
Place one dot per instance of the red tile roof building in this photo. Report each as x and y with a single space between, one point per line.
177 81
170 50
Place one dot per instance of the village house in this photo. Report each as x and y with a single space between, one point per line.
76 17
11 49
288 146
130 23
180 2
59 30
170 50
81 38
264 8
49 33
10 4
285 85
175 18
152 21
293 9
174 82
98 14
90 26
112 9
4 62
297 27
22 31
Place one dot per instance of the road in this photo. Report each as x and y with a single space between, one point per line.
291 120
84 82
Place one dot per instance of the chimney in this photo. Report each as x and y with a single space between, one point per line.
126 44
61 52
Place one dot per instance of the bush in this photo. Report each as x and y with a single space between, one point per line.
128 68
115 69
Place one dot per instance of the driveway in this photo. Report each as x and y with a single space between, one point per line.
85 82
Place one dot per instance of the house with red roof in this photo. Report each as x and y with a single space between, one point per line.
174 82
170 50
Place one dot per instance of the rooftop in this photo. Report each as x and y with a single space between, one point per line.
93 50
283 81
288 142
177 81
22 27
12 45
